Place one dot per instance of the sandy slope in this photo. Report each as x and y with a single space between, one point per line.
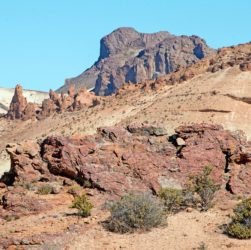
210 97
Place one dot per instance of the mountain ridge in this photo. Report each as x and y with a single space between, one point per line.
130 56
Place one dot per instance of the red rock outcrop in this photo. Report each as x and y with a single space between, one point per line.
48 108
117 160
30 111
26 163
61 103
18 104
20 109
84 99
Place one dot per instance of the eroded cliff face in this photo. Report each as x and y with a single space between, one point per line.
129 56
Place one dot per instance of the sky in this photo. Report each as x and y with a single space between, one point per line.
43 42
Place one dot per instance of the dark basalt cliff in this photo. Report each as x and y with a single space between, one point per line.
129 56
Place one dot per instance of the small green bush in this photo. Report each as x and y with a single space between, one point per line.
83 205
172 199
176 200
205 187
240 226
135 212
45 189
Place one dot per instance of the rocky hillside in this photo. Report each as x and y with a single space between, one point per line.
150 135
129 56
214 90
7 94
113 162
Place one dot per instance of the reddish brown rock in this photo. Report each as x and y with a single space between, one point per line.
139 157
239 181
143 158
66 103
30 111
48 108
71 91
84 99
26 163
18 104
19 202
54 97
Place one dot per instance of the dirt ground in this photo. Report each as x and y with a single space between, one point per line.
184 231
59 228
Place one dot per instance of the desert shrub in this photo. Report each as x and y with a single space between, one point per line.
45 189
135 212
240 226
83 205
172 198
204 186
175 200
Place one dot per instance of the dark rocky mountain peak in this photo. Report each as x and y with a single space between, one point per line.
130 56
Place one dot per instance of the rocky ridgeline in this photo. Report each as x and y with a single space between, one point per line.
224 58
239 55
118 160
21 109
129 56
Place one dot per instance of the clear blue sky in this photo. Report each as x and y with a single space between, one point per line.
43 42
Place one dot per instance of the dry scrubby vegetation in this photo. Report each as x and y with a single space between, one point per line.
204 187
135 212
83 205
175 200
240 226
199 193
144 211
